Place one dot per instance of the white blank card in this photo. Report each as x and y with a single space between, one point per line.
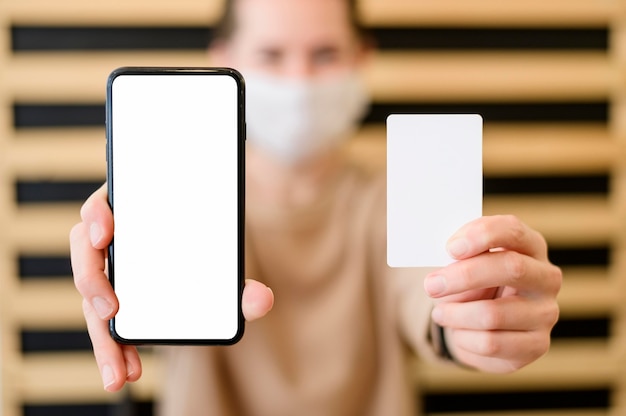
434 184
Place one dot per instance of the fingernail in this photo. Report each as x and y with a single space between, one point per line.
95 233
108 376
436 315
435 285
129 369
102 306
458 247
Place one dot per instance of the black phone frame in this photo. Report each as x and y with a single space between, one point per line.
241 137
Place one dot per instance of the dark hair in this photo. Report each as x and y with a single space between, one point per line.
226 24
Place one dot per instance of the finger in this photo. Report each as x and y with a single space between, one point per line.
496 269
133 363
96 214
498 351
511 313
500 231
257 300
88 267
111 357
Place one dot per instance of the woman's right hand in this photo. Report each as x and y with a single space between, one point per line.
89 240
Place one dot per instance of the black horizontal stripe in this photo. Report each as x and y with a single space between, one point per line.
55 191
126 406
582 328
491 38
501 112
55 341
63 38
33 115
54 38
585 256
516 401
58 115
44 266
594 184
29 192
70 410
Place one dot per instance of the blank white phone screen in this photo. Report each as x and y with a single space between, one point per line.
175 203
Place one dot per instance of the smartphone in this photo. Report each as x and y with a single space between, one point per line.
175 173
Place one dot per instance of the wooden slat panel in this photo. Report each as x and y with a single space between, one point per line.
61 378
529 13
73 377
565 221
43 228
57 305
489 76
44 304
59 153
391 76
585 13
576 221
548 149
617 123
9 340
587 292
509 150
520 149
586 412
562 368
113 12
81 76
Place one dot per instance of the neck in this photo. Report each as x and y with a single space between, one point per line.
284 186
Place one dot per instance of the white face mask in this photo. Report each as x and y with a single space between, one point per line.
294 120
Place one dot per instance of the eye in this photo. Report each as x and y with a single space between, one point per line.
325 56
270 56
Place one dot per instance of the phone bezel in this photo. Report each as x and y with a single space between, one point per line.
241 137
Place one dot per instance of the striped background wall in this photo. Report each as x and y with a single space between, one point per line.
547 76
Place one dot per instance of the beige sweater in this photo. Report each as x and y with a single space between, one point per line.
343 323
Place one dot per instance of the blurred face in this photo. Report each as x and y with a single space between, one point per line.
293 39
